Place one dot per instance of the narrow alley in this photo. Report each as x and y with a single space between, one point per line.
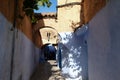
79 40
47 71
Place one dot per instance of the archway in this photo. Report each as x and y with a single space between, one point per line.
49 35
50 38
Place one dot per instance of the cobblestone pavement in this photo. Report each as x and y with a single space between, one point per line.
47 71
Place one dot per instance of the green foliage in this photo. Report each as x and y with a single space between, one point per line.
44 3
30 5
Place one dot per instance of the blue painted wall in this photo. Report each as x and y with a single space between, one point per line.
74 54
104 43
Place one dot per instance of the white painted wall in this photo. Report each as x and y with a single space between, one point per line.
104 43
26 55
5 47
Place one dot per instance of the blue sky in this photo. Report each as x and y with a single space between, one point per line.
52 8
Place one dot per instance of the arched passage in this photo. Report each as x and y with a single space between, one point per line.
50 39
49 35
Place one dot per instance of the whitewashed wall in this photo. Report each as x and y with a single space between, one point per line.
6 37
104 43
26 55
74 55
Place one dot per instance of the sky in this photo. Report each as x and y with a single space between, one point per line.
52 8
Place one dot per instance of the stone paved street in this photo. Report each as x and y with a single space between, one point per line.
47 71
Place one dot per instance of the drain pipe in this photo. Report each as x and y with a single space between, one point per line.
13 40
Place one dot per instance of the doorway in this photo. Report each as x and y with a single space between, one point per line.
49 52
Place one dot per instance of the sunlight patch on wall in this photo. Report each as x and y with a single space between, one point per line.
74 54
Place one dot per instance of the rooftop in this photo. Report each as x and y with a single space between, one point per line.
46 15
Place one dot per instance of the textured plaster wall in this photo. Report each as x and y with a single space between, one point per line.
52 22
67 1
68 16
104 43
26 55
7 9
6 37
41 36
90 8
74 54
74 16
73 46
26 51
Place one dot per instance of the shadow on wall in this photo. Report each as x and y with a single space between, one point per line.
74 56
36 34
